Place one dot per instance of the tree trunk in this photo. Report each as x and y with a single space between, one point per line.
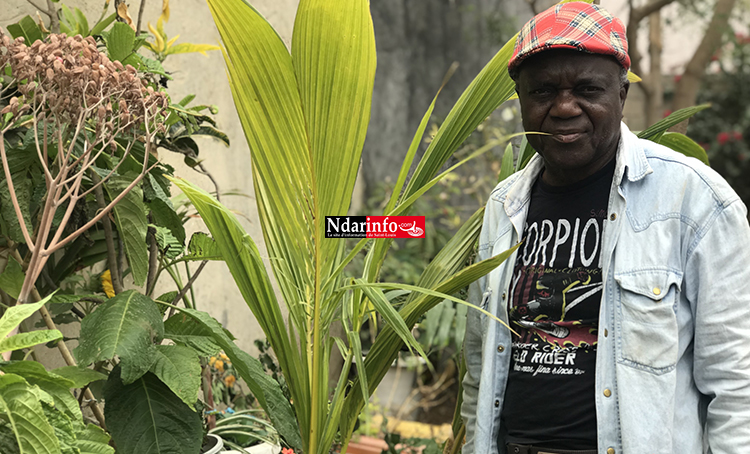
655 98
687 88
417 42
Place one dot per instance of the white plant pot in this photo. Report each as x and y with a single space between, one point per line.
263 448
219 447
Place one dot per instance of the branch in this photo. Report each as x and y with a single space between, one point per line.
101 214
47 12
687 88
648 9
140 16
114 267
189 284
153 261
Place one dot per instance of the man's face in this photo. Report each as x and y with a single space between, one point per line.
577 98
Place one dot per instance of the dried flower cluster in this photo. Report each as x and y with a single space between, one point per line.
69 78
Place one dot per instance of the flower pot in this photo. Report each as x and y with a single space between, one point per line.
213 445
367 445
263 448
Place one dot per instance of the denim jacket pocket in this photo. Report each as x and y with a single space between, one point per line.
646 319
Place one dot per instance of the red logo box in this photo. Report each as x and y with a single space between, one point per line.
395 227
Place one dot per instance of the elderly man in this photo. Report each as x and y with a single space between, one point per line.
629 298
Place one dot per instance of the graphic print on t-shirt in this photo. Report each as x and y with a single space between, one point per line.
549 291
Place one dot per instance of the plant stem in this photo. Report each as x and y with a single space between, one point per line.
153 261
140 15
114 267
67 356
189 285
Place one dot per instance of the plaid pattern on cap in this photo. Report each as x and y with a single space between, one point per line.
576 25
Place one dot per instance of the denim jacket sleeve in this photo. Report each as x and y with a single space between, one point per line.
718 286
473 350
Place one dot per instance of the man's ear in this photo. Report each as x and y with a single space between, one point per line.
624 93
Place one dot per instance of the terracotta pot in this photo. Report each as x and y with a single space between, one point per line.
367 445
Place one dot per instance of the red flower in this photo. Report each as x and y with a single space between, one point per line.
287 451
722 137
677 78
736 135
667 113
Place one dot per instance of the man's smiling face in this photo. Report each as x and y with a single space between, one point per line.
577 98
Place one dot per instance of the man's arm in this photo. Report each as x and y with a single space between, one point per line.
473 351
717 283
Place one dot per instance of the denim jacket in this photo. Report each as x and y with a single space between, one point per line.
673 355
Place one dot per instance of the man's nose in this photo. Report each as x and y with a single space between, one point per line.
565 105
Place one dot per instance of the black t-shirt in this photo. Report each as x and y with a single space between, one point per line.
554 306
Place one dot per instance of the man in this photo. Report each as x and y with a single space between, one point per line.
630 295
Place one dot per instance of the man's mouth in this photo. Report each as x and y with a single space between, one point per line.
566 137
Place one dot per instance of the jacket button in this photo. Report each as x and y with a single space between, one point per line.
607 393
657 291
497 403
612 217
503 296
606 333
611 451
500 349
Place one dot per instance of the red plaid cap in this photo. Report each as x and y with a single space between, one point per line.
576 25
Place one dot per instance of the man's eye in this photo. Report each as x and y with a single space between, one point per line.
591 89
541 91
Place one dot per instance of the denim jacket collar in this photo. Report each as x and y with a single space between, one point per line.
631 163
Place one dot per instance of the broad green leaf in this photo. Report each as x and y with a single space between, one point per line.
655 131
11 279
263 387
125 326
685 145
26 340
63 426
13 316
146 417
162 209
187 331
21 410
187 48
93 440
8 441
130 217
212 132
55 385
170 246
23 188
203 247
79 376
68 20
179 368
100 26
82 22
26 28
120 41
